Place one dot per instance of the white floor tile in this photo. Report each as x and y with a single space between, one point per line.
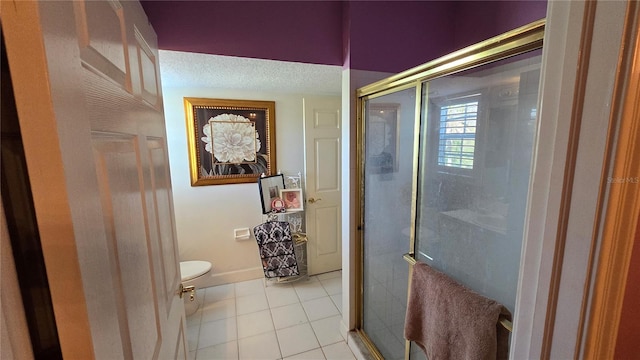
249 287
338 351
309 290
332 286
309 279
329 275
254 324
320 308
327 330
315 354
191 355
288 315
251 303
193 332
218 310
217 332
260 347
296 339
337 301
200 293
247 320
194 319
226 351
280 295
220 292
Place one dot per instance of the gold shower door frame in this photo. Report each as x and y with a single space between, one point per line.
512 43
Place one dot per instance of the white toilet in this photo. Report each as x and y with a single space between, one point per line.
190 272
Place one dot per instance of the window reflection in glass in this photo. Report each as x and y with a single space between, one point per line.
476 149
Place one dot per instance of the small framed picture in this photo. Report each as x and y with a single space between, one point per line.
270 187
292 199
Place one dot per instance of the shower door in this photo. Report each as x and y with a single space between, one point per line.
446 159
388 169
475 158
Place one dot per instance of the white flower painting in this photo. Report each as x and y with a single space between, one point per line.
231 139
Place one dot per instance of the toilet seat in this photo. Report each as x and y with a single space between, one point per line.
190 270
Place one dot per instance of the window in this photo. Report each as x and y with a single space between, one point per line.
457 137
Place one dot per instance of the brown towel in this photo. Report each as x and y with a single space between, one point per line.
449 321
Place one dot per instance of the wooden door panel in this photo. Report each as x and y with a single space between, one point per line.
119 171
148 69
327 119
149 144
327 231
161 195
102 39
327 172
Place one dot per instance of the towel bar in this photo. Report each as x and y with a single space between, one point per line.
506 323
409 257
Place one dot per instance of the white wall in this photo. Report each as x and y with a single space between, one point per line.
206 216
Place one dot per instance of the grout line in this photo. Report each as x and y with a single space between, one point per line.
235 300
275 331
300 302
323 353
237 342
319 347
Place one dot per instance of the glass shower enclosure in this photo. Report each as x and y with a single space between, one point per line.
445 159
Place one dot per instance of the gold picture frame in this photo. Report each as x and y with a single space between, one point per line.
230 141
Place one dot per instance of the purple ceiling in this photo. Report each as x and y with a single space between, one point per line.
479 20
368 35
395 36
305 31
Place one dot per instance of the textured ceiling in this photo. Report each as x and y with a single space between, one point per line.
182 69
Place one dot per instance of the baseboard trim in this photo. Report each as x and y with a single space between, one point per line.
213 278
344 330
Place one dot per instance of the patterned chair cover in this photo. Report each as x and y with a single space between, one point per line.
276 249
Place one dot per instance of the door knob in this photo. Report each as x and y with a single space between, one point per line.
313 200
187 289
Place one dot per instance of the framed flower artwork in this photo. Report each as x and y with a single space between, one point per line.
230 141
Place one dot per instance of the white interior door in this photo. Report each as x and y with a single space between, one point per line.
87 89
322 173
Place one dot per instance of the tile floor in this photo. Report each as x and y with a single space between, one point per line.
248 320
